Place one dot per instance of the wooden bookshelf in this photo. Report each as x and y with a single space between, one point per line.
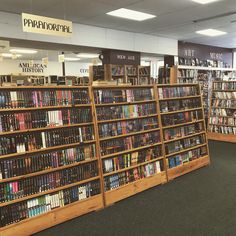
221 123
131 112
184 129
205 76
50 181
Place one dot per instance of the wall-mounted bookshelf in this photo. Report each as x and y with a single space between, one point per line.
205 76
130 140
184 131
49 168
222 117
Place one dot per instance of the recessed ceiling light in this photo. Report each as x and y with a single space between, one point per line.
23 51
10 55
211 32
205 1
130 14
72 59
87 55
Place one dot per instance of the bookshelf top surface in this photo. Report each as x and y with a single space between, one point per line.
118 87
178 85
43 87
206 68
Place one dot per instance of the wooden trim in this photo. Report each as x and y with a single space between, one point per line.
130 150
126 119
180 111
222 137
54 217
124 103
133 188
183 124
57 87
43 150
43 108
45 128
179 98
187 167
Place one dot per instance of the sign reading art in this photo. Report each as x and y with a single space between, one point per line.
35 68
45 25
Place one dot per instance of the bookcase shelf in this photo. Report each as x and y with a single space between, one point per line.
59 173
124 170
185 143
221 121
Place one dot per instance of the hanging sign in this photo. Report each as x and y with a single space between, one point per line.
45 25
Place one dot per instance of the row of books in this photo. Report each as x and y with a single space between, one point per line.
125 127
117 71
128 143
179 132
187 73
35 141
182 117
40 119
131 71
131 159
221 112
125 111
42 98
177 105
179 91
186 157
144 71
224 85
20 211
224 129
216 120
122 95
22 166
225 95
25 187
126 177
224 103
182 144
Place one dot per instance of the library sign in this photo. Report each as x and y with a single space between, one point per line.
32 68
45 25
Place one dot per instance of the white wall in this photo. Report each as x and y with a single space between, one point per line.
9 66
84 35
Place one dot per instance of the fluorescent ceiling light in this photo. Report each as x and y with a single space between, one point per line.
205 1
130 14
87 55
72 59
10 55
23 51
211 32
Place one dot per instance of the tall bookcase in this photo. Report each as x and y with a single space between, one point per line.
222 118
48 160
130 140
184 130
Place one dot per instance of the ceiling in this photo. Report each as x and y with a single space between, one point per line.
174 17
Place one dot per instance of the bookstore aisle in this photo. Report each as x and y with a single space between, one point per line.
201 203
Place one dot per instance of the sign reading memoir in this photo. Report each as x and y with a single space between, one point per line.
45 25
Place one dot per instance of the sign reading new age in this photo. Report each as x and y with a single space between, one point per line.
45 25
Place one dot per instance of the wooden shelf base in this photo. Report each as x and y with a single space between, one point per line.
222 137
133 188
54 217
187 167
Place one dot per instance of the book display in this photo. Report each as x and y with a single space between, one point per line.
205 76
128 74
69 150
222 117
130 140
184 130
49 167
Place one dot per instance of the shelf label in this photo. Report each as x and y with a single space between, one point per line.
45 25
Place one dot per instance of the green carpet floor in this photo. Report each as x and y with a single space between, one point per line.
200 203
